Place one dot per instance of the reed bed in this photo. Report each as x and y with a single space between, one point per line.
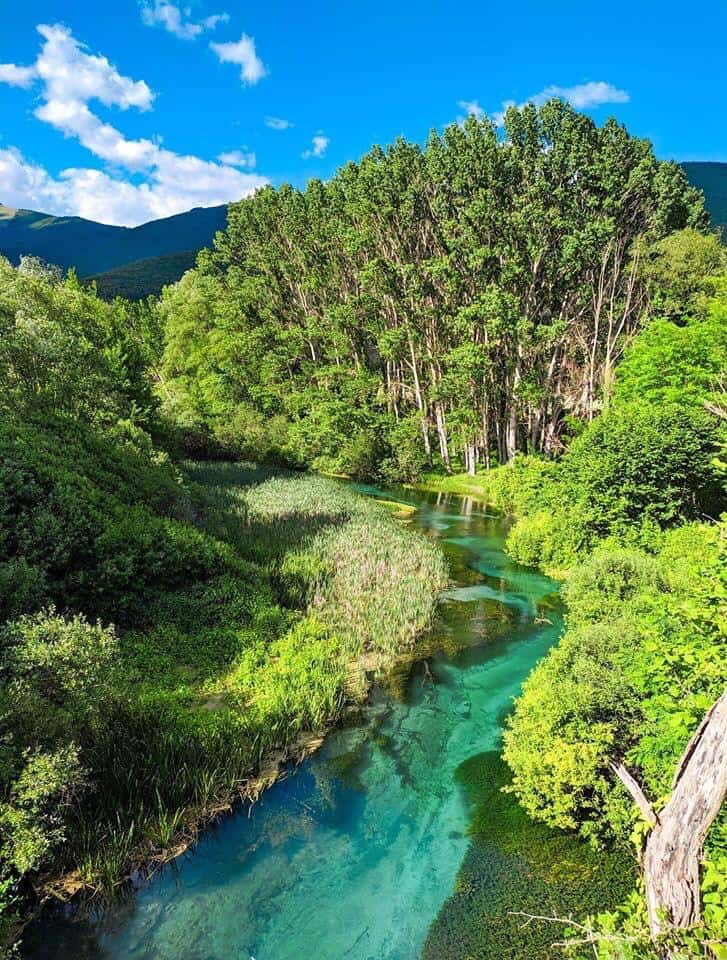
319 584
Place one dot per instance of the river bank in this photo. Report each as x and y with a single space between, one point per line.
376 826
333 591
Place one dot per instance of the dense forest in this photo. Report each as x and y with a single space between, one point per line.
458 302
543 311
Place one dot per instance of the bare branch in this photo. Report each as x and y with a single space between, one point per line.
636 792
716 409
589 938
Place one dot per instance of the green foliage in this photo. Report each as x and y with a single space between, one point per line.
82 520
56 681
240 608
64 352
643 464
294 683
649 462
455 303
633 675
673 363
32 819
368 580
678 272
597 590
642 658
57 677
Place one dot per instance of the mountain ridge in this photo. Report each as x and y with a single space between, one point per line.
93 248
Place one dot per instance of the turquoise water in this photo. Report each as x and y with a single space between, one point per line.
354 854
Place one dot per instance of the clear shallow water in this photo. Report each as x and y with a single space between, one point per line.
355 853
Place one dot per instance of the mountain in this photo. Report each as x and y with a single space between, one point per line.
95 248
140 278
712 179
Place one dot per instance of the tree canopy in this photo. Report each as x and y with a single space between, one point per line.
456 301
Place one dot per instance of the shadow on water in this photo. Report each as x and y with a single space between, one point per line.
514 864
394 841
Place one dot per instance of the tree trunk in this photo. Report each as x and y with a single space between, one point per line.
674 846
470 458
420 401
512 412
442 434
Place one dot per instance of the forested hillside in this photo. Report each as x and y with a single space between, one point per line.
711 178
143 278
91 248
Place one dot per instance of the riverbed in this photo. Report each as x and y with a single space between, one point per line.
394 841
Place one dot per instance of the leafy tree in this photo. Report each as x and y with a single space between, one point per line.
483 288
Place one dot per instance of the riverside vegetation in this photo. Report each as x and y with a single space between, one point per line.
546 312
164 628
629 517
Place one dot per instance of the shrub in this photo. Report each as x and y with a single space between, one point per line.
638 469
640 663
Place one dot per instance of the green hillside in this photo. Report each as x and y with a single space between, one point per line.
139 279
93 248
712 179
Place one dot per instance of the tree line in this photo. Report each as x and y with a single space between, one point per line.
455 303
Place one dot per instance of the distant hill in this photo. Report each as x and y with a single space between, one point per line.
712 179
140 278
96 248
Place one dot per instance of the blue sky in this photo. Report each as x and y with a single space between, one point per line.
155 106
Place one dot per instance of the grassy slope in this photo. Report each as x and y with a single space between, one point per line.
461 483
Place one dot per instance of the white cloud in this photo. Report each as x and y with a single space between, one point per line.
17 76
318 148
69 74
238 158
584 95
244 55
97 195
277 123
581 96
70 78
471 108
174 20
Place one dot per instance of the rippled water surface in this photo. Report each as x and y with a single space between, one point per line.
354 854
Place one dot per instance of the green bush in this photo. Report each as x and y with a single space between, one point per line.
640 663
636 470
57 682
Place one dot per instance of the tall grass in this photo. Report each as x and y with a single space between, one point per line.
373 582
229 671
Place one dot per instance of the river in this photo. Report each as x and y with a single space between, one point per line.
394 841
